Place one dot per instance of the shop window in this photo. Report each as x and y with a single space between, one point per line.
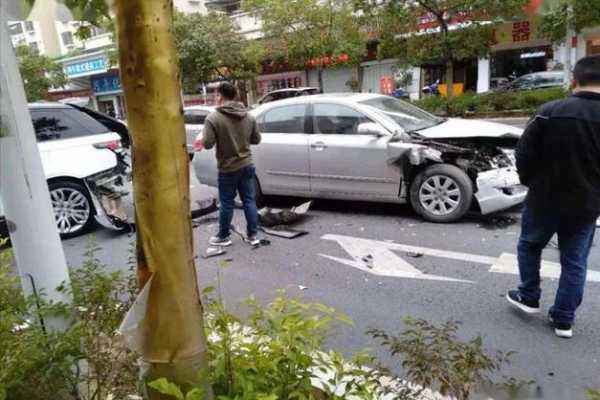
67 38
15 29
337 119
287 119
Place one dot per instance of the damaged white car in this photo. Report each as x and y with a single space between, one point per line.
85 164
377 148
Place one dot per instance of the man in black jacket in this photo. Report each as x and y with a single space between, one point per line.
558 158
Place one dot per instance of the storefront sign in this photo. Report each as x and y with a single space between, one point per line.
268 83
85 68
517 32
106 84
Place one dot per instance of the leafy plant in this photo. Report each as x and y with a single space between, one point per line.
276 353
434 357
593 394
39 73
86 360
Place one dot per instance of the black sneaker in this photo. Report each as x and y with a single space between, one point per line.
529 307
217 241
561 329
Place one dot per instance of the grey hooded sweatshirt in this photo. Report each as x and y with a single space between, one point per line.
232 130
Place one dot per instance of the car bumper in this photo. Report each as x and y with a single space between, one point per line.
499 189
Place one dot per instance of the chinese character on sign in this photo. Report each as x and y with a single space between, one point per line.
521 31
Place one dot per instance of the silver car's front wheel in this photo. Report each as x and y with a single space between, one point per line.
441 193
72 208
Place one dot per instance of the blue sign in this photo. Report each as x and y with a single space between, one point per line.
106 83
86 67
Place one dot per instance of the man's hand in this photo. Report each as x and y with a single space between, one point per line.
198 144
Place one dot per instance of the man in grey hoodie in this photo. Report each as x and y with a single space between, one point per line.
232 130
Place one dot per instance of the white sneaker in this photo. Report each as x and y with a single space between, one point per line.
252 241
222 242
564 331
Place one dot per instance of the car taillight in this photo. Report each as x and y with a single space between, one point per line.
198 145
110 145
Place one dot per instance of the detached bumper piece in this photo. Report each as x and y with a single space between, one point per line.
499 189
107 190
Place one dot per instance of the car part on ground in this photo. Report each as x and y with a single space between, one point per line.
270 217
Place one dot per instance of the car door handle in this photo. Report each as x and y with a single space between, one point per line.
318 146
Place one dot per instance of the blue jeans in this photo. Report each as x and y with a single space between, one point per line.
575 237
230 183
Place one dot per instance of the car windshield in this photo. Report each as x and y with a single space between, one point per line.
409 117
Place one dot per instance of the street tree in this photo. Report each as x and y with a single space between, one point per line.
39 73
173 343
575 15
443 32
209 47
315 32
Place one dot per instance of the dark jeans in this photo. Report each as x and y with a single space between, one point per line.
575 237
230 183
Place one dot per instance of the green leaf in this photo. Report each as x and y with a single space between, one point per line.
163 386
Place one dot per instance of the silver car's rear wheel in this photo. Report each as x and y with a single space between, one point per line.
72 208
441 193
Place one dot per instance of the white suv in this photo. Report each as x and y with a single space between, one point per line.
85 166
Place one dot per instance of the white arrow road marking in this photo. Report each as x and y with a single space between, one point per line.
386 263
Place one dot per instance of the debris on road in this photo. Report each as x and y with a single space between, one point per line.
284 233
213 252
270 217
368 260
302 287
414 254
499 222
205 207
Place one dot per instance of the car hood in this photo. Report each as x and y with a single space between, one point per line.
468 128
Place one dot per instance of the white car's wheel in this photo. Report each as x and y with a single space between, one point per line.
441 193
72 206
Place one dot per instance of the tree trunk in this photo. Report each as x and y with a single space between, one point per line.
320 75
449 80
174 344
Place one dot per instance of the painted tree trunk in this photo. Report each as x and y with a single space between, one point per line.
174 344
449 79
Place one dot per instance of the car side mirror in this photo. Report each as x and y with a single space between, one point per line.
371 129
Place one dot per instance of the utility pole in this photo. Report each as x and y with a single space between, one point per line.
35 241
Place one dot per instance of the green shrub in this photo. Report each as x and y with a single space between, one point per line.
86 360
593 394
469 102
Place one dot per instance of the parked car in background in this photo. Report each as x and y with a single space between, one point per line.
287 93
536 80
194 117
85 165
372 147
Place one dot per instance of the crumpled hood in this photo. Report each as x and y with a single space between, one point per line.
233 109
468 128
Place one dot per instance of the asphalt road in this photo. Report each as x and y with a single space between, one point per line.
452 283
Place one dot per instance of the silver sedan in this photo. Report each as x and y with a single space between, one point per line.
377 148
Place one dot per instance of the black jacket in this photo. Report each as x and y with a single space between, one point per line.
558 157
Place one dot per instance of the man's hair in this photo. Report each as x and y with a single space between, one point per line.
227 90
587 71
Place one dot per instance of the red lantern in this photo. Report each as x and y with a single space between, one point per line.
326 60
343 58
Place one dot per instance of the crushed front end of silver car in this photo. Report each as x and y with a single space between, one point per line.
488 161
